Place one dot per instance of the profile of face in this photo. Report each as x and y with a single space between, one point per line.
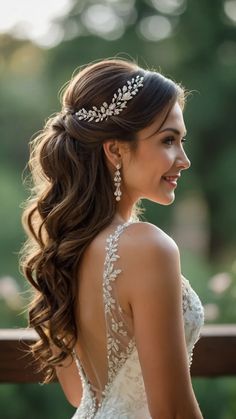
152 171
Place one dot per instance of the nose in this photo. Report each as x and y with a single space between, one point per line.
183 161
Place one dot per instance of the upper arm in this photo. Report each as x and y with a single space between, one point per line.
154 291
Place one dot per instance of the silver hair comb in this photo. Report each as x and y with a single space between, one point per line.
118 103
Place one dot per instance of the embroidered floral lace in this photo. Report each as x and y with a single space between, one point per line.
124 395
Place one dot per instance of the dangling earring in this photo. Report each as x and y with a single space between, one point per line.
117 182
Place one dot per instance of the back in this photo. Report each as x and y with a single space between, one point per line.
126 323
105 326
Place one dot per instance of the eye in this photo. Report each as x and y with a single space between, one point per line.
183 140
169 140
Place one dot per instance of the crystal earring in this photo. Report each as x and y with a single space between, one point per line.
117 182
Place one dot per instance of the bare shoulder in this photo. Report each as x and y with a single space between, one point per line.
149 260
149 233
143 241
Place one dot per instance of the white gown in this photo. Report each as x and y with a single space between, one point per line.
124 395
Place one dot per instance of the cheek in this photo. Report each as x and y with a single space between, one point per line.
166 158
147 165
134 172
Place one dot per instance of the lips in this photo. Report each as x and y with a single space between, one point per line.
172 179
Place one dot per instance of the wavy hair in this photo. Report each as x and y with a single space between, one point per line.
72 194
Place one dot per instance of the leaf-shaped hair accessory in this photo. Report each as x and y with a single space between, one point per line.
118 102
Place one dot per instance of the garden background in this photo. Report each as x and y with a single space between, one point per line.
194 42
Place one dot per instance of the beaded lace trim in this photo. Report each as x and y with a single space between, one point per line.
115 355
193 313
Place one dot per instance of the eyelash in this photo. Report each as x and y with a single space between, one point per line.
172 139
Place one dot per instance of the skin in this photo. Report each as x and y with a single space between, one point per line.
159 153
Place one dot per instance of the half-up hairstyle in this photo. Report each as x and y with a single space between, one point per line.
72 194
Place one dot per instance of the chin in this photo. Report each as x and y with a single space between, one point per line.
165 200
161 200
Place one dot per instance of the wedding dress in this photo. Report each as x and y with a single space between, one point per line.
124 395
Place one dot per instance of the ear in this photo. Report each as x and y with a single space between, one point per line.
113 151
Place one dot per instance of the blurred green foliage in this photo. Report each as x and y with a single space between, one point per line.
33 401
200 52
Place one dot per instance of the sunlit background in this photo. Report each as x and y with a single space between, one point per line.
194 42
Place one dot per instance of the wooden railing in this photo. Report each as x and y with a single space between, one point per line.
214 354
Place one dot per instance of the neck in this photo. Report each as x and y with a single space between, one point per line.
123 212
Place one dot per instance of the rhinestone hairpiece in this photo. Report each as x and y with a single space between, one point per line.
118 103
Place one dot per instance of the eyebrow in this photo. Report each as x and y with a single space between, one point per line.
176 131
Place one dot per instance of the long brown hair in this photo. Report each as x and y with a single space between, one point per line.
72 194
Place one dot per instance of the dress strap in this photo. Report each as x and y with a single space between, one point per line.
120 342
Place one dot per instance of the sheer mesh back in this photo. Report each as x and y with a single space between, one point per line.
119 333
119 340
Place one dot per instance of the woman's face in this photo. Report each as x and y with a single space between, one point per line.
152 171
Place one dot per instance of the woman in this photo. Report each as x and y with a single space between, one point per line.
117 322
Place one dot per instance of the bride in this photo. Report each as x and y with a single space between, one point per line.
117 322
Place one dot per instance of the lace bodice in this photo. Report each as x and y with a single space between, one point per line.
124 395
